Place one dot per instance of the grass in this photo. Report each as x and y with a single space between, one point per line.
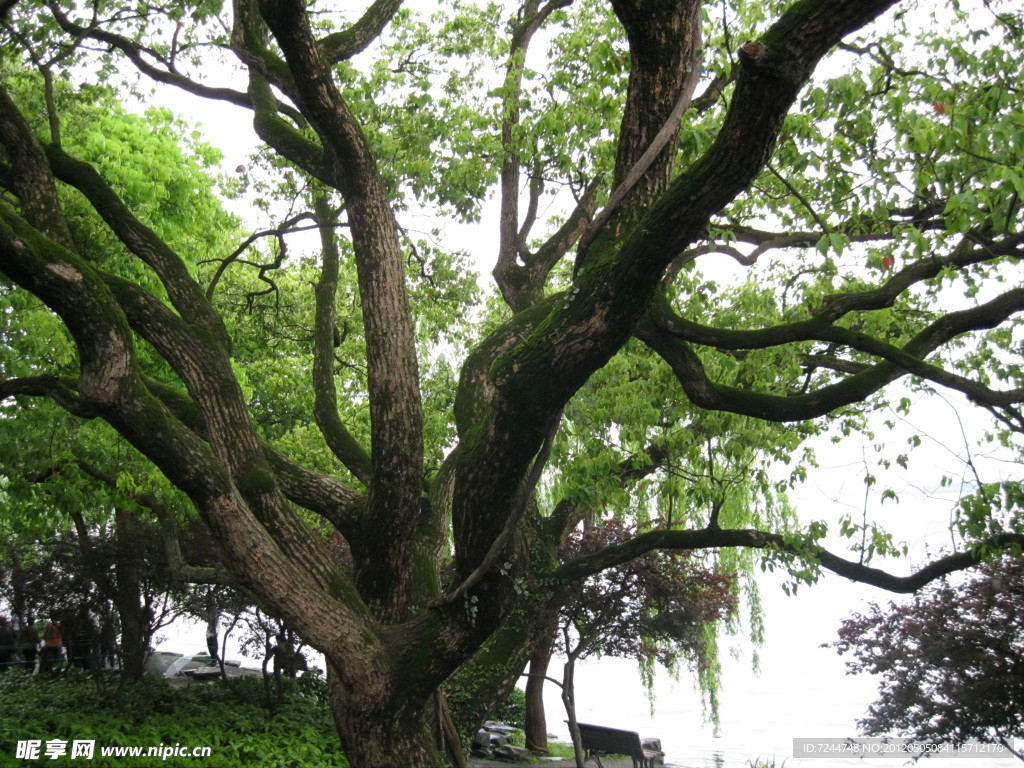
558 749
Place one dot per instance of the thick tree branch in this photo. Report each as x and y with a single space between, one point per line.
391 354
396 419
705 393
61 390
536 190
346 43
336 502
837 306
283 137
185 294
663 325
325 408
607 301
668 132
522 284
269 546
31 179
617 554
203 365
523 498
515 288
591 322
205 375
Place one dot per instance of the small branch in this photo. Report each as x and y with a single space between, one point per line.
134 53
286 227
543 677
803 200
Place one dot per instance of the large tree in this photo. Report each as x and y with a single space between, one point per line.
877 206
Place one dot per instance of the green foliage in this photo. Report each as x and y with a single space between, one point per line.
427 118
459 691
513 709
992 509
152 713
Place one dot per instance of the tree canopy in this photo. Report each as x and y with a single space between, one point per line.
389 455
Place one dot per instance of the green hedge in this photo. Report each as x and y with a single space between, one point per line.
233 722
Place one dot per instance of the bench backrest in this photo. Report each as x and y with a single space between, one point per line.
610 740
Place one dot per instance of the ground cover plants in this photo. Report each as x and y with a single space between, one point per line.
233 721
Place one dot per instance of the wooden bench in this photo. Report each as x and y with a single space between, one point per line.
600 740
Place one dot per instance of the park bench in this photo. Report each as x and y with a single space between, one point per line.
598 740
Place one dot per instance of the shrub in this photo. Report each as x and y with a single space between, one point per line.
231 720
513 709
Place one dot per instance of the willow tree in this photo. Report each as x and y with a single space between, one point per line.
876 205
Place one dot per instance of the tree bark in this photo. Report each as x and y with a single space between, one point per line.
128 601
569 700
536 726
383 733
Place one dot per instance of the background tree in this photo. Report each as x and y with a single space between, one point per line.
950 662
657 608
117 574
451 445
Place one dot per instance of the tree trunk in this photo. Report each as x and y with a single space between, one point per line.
536 726
569 700
127 598
389 734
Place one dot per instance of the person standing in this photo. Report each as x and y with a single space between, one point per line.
84 641
108 637
28 643
212 616
53 644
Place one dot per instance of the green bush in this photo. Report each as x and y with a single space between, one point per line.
233 721
513 709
